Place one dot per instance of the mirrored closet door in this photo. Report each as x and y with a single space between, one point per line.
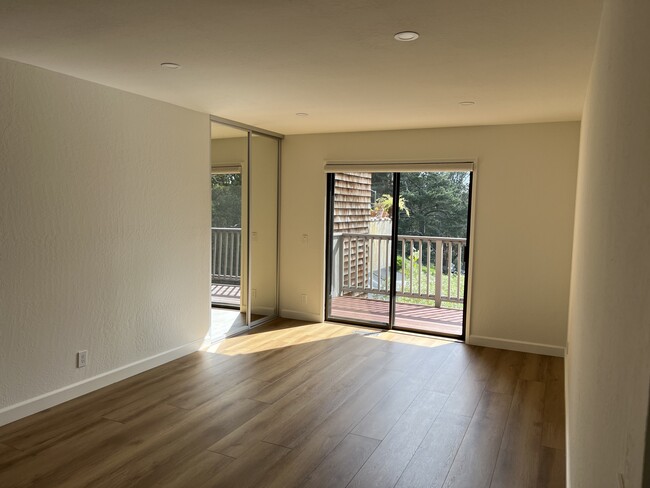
244 234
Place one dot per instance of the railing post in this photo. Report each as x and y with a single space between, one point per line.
438 296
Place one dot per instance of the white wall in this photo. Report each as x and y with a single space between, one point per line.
105 214
523 229
608 366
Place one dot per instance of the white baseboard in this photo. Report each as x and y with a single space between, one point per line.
297 315
521 346
47 400
263 311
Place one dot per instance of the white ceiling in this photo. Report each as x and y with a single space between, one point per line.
260 62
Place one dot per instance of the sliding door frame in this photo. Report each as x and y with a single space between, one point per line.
427 166
329 225
250 131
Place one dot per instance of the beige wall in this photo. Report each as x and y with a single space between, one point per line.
105 214
608 365
523 228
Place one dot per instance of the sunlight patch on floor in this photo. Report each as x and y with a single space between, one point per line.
281 334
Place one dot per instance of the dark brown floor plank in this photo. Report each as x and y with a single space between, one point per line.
199 469
469 389
186 469
303 459
340 466
477 454
389 460
552 469
534 367
431 462
239 441
299 375
518 461
199 429
381 419
314 411
450 373
239 473
30 470
506 373
553 432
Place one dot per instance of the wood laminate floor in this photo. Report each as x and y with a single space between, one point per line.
307 405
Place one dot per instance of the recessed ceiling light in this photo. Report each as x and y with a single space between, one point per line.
302 114
406 36
170 65
467 103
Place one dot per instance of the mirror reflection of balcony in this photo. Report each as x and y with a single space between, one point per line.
226 266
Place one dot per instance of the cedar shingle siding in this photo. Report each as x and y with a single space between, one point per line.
352 204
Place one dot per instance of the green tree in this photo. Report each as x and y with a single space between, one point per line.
438 202
226 200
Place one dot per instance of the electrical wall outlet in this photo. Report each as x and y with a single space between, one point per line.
254 293
82 359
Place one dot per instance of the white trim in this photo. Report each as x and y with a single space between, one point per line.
47 400
225 168
567 427
265 311
400 166
470 251
297 315
521 346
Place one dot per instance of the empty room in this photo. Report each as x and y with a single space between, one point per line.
358 243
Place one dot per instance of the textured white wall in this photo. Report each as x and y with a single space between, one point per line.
105 215
608 365
523 229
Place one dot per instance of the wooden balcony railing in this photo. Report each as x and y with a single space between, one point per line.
226 252
431 267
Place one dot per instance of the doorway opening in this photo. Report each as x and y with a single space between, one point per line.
397 251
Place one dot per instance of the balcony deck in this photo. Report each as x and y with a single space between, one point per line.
420 318
225 294
423 318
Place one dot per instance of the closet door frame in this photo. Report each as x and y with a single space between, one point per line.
252 130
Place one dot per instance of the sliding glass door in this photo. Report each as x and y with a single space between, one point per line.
360 249
397 249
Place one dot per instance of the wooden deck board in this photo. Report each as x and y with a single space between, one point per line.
421 318
225 294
